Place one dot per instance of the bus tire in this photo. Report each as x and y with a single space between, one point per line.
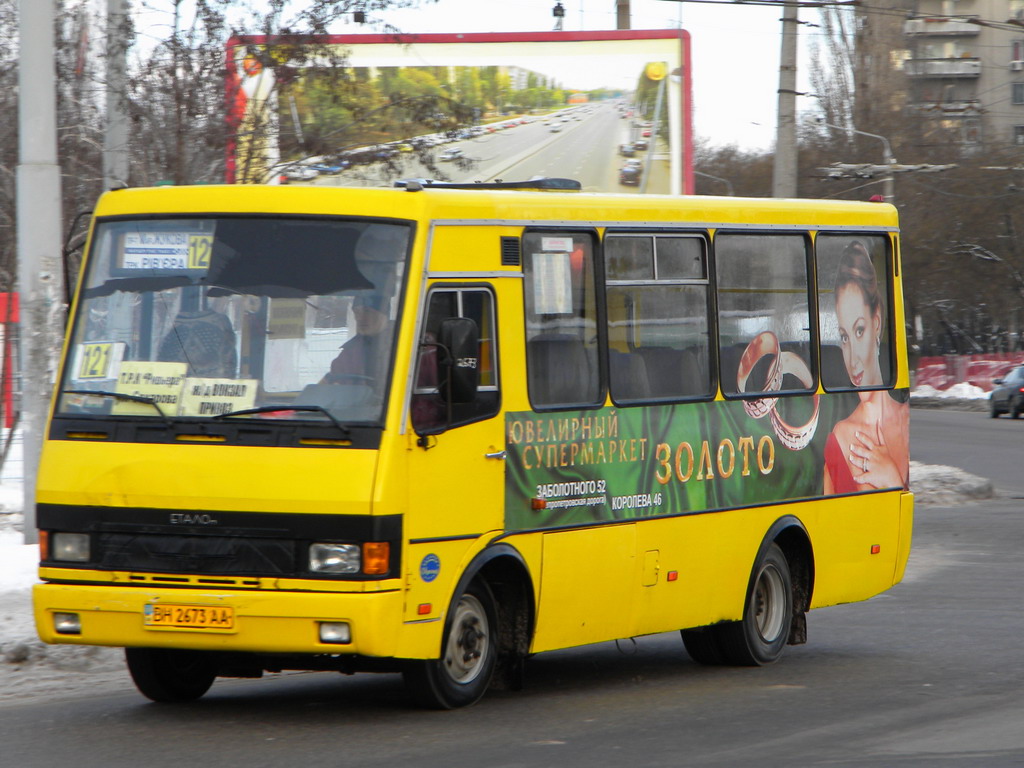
703 645
469 653
170 674
760 637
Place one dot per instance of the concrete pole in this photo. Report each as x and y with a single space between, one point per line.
784 171
622 14
38 203
115 135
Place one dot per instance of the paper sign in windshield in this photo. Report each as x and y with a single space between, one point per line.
212 397
161 382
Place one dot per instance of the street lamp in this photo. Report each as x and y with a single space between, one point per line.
889 189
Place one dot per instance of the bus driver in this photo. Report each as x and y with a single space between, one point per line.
364 356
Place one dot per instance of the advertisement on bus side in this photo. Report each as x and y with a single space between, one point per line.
591 466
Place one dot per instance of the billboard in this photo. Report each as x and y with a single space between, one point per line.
611 109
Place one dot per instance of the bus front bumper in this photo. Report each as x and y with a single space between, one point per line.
244 621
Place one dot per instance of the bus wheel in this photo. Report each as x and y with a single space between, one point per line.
762 634
703 646
170 675
468 654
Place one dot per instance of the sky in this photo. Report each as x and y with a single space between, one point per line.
735 48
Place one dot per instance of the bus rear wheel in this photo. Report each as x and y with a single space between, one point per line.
468 654
760 637
703 645
170 674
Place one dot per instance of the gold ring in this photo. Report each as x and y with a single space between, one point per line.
765 343
796 438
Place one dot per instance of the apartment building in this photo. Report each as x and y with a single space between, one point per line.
964 67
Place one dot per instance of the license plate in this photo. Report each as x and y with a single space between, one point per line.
189 616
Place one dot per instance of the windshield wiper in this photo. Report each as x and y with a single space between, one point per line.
121 396
345 431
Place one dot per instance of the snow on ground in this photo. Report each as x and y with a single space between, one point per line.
31 669
962 391
28 667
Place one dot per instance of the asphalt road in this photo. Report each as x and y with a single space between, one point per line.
973 442
584 148
927 674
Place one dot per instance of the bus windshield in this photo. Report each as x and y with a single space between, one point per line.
204 317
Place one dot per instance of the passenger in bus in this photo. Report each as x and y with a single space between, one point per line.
871 447
362 358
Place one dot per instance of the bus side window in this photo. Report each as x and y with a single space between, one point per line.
657 289
561 320
854 318
764 322
429 410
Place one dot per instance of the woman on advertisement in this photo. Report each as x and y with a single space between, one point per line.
870 448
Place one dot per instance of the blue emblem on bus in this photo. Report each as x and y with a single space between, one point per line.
430 566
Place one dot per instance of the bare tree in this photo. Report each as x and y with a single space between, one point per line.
189 111
78 120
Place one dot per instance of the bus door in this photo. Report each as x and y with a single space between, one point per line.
457 463
559 449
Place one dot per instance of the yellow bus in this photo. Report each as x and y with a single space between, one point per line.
438 430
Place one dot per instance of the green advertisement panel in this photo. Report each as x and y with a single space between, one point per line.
583 467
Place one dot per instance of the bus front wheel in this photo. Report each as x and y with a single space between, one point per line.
170 675
468 654
762 634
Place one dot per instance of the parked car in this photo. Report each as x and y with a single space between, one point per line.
640 144
627 150
330 168
646 133
1008 394
452 153
630 175
300 173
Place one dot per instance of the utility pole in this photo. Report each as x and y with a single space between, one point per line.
115 135
39 224
784 169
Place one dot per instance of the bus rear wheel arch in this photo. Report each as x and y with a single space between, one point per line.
778 597
760 636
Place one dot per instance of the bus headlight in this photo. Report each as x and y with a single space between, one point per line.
70 547
334 558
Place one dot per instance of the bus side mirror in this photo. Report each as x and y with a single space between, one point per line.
461 338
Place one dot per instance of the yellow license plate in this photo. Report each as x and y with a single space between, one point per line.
189 616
